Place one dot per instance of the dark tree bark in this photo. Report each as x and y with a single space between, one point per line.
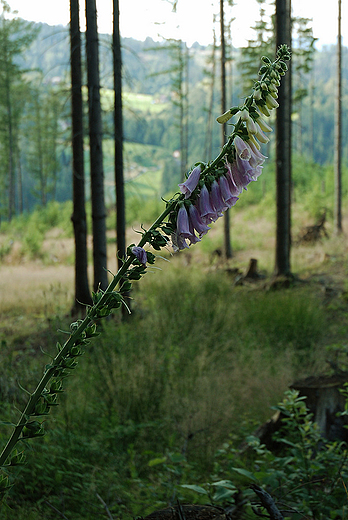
283 148
338 130
11 162
118 124
227 228
82 293
96 149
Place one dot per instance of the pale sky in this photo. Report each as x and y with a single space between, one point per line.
192 21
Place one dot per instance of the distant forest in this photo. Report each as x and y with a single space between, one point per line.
150 105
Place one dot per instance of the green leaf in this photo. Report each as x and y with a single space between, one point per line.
7 423
193 487
224 494
245 473
156 461
224 483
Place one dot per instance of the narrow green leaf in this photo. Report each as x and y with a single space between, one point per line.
245 473
224 494
224 483
156 461
197 489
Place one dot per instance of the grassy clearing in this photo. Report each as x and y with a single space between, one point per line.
144 102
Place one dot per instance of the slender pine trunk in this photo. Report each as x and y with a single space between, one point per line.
338 131
227 226
82 293
283 148
118 124
96 149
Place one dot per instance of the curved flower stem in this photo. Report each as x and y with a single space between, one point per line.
92 313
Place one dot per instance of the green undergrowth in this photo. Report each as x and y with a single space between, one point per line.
198 363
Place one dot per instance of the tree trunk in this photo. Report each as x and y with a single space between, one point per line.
118 124
186 55
208 145
182 87
118 129
283 148
20 184
11 162
227 228
338 131
82 293
96 149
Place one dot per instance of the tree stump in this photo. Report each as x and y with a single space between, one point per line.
252 269
324 400
313 233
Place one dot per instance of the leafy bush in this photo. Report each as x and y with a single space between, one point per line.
32 240
306 474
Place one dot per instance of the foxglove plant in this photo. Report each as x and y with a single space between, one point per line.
208 191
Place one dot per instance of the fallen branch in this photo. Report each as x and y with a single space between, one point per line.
268 503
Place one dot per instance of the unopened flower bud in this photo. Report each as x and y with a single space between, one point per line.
251 126
254 142
244 115
260 135
263 70
224 117
263 125
266 60
275 82
140 254
271 102
264 110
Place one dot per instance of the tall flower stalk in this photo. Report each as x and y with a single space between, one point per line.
210 189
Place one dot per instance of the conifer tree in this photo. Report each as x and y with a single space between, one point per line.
96 149
263 43
178 72
283 148
118 128
82 293
338 129
42 114
227 230
15 37
302 66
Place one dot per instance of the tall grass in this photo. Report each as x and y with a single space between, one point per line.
198 361
201 357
